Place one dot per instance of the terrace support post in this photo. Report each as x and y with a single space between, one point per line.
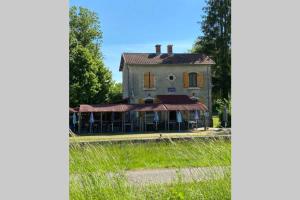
168 116
131 123
101 123
197 119
188 119
145 120
140 122
205 121
123 117
79 122
165 116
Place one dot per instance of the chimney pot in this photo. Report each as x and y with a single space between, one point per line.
170 49
157 48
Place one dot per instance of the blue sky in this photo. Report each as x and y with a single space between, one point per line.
137 25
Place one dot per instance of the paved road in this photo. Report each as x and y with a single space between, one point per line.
159 176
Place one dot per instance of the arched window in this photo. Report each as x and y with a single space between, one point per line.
193 79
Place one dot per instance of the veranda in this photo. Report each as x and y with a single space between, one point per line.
112 118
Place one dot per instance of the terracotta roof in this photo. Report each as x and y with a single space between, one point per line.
193 106
140 107
155 59
72 110
105 108
149 107
175 99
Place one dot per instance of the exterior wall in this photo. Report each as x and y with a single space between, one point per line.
125 82
135 85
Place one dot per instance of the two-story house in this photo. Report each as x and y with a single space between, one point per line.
163 91
161 77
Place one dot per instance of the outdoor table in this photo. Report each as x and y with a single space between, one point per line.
193 123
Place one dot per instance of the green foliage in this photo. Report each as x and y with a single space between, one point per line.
89 80
216 121
90 165
220 107
216 42
115 93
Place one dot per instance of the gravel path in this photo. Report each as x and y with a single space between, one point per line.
166 176
159 176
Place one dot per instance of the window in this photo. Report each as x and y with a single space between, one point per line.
171 77
148 80
148 101
193 79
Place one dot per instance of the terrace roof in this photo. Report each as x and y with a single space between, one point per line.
141 107
72 110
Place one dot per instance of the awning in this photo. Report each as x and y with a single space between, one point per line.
141 107
175 99
73 110
105 108
188 107
149 107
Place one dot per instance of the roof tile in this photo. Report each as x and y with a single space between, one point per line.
155 59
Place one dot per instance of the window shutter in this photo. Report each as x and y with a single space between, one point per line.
200 79
141 101
185 80
151 80
146 80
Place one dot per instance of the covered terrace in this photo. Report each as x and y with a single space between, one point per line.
109 118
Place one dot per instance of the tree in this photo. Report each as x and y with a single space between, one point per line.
115 94
89 80
216 42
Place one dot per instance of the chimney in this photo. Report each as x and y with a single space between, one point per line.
170 49
157 48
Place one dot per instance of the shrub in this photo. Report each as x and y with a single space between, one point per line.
221 104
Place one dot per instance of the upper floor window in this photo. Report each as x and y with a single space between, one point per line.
193 79
148 80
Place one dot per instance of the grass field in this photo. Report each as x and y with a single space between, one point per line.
89 165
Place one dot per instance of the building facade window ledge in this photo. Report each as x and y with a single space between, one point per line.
149 89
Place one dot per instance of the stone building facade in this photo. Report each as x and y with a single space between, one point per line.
147 75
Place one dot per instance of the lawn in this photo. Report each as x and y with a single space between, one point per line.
90 163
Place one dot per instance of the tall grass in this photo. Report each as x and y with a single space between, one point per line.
91 164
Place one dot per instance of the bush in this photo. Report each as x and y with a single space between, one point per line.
221 104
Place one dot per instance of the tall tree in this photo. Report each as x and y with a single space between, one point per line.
115 93
89 80
216 42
